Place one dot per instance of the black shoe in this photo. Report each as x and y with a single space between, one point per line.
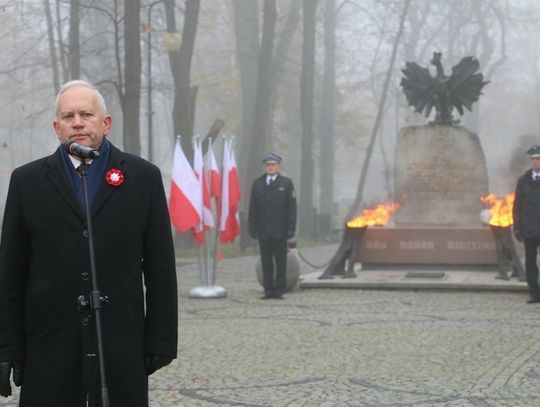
533 300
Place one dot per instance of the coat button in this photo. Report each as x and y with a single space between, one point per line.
85 233
85 275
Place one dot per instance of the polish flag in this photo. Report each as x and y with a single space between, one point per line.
215 179
230 196
207 220
185 203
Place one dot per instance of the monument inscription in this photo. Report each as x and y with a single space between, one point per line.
441 173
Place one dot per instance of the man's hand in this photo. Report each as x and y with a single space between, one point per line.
156 361
252 231
517 235
5 373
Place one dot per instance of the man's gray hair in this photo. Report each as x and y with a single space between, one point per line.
85 84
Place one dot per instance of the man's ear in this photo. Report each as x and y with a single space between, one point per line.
107 122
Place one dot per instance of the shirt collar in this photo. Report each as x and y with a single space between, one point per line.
75 161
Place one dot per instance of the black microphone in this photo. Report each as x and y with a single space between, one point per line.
80 151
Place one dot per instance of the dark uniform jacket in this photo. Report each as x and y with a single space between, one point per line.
526 211
272 209
44 267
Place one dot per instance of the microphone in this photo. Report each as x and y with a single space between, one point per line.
80 151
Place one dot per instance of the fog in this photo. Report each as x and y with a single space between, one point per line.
503 35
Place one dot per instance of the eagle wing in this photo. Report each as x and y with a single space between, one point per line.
465 84
419 87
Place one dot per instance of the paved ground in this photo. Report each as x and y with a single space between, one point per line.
349 347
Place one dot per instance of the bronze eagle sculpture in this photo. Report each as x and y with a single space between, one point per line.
442 92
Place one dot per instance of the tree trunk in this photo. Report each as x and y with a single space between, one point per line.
132 75
246 28
74 42
282 55
262 100
61 48
306 112
52 48
180 61
326 132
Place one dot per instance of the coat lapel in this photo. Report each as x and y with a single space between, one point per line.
116 160
56 173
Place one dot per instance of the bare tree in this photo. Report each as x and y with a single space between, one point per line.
60 41
306 106
180 62
363 174
131 97
246 28
52 46
74 40
264 81
283 48
326 127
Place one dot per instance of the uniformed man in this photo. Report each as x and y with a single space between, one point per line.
272 220
526 213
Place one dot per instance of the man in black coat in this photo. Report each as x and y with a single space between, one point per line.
526 214
272 220
46 339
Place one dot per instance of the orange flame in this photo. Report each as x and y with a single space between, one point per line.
500 209
376 215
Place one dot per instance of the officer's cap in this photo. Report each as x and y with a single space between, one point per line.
276 159
534 151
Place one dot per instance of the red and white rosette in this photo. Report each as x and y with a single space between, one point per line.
114 177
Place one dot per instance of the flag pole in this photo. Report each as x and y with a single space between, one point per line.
218 212
207 289
203 215
200 259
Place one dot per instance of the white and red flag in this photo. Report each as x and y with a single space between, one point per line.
185 203
215 179
207 218
230 196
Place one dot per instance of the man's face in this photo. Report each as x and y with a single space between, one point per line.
80 119
535 163
271 168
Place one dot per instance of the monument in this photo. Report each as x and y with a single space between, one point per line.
440 167
440 178
440 175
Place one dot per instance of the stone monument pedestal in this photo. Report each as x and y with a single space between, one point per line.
433 247
440 173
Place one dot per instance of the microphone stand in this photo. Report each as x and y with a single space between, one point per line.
94 300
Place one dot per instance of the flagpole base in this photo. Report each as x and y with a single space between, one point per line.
207 292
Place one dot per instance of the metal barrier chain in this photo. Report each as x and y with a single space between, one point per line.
311 264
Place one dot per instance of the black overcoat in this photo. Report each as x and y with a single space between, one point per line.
272 209
44 266
526 210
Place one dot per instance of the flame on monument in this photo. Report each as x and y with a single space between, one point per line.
377 215
500 209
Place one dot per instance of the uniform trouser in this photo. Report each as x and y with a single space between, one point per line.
274 265
531 250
